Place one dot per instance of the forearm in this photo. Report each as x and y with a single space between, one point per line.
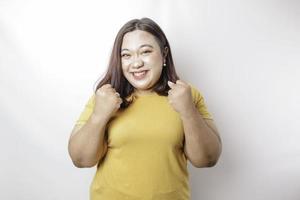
202 145
86 147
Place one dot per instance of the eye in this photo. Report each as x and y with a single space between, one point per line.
125 55
147 51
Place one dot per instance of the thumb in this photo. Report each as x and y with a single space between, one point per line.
170 84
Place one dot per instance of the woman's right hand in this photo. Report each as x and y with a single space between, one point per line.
107 101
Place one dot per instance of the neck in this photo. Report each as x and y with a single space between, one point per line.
143 92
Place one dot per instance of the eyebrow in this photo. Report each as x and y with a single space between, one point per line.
143 45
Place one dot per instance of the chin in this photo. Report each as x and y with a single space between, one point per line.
143 87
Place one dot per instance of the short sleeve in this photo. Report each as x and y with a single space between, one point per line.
200 103
87 111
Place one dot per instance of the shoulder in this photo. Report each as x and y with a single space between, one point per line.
196 94
91 100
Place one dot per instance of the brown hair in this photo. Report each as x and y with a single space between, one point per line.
114 74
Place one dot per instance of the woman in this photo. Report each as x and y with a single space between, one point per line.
143 123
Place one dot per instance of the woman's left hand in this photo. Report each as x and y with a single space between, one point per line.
180 97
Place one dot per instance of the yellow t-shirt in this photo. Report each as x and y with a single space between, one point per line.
145 158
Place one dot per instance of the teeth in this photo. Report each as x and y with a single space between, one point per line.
139 73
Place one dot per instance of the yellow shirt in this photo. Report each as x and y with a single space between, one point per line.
145 158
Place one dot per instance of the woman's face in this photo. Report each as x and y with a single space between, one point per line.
141 53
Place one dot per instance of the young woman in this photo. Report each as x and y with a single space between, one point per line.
143 123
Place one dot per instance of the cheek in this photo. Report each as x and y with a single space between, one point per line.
124 71
155 59
125 65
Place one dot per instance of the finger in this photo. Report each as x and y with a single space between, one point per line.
110 89
181 82
120 100
107 85
171 84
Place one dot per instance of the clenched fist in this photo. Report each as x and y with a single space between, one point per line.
107 101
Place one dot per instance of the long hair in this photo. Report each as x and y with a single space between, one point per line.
114 74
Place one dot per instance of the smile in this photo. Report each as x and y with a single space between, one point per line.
140 75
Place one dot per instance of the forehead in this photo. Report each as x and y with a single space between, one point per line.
136 38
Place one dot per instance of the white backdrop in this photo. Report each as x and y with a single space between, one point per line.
244 56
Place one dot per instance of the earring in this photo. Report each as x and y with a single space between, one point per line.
165 64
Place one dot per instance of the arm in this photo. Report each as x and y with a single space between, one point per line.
202 141
87 144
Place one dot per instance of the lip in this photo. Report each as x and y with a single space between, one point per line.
140 71
140 77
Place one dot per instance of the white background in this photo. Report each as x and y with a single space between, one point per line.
244 56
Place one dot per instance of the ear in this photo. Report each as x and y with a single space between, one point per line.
166 50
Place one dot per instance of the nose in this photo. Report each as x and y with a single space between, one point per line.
137 62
